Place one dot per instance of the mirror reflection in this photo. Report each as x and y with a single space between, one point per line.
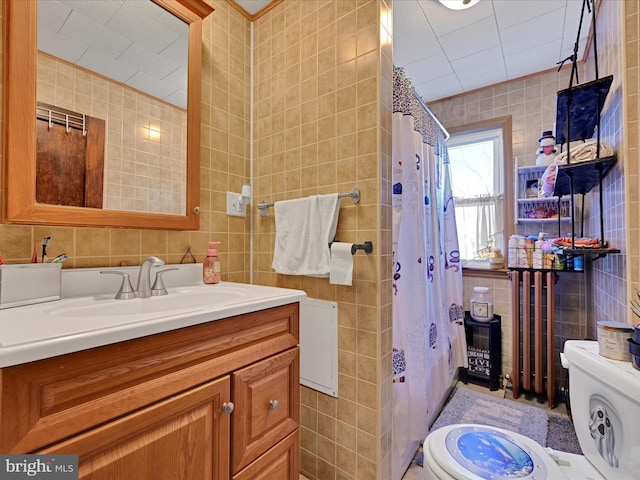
123 63
20 52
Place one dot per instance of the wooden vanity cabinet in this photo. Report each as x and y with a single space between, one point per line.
159 407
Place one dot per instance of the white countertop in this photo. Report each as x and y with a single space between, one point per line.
72 324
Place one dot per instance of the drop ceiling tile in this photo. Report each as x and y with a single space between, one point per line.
86 31
178 98
177 79
485 61
546 28
52 15
471 39
96 61
410 16
59 45
416 45
180 28
438 88
510 12
97 10
150 85
444 21
482 79
139 24
535 59
148 62
436 66
178 52
574 11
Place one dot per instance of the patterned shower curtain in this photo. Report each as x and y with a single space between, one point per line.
428 333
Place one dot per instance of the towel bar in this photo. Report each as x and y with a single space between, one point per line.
354 194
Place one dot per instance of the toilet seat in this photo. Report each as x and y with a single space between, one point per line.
468 451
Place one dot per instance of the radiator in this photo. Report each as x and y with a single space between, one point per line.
532 356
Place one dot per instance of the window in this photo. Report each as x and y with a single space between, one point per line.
481 177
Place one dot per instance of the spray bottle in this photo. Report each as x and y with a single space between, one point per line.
211 265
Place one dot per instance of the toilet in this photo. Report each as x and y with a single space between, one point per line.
605 396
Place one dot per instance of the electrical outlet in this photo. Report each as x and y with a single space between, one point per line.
235 207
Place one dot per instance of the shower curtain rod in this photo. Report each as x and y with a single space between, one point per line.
435 119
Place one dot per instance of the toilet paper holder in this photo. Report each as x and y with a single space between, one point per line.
366 246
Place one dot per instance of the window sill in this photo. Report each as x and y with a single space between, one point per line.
485 272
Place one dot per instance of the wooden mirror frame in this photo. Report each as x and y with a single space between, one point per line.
20 43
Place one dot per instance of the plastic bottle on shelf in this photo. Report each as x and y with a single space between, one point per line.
523 261
530 246
512 252
578 263
537 255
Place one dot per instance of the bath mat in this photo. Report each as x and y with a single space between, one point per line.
561 435
468 406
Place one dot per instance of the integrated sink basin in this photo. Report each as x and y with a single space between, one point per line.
178 300
89 316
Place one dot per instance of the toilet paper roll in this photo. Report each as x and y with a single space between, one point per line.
341 264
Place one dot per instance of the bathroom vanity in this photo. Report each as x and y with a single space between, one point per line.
212 399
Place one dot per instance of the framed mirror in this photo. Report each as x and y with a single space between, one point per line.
20 204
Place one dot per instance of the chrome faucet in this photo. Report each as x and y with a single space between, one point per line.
144 276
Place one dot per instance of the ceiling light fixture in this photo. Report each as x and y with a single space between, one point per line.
458 4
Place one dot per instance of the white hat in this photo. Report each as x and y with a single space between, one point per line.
547 140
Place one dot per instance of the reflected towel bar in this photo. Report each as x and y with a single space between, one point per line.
354 194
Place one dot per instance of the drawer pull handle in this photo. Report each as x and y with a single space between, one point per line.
228 407
274 404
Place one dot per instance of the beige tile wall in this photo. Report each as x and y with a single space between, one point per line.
145 143
225 167
318 116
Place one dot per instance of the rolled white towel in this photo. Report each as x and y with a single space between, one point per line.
585 152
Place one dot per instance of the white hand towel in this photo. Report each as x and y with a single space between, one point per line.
304 229
341 272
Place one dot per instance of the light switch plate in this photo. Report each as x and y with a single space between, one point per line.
235 207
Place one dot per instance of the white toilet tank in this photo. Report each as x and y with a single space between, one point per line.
604 397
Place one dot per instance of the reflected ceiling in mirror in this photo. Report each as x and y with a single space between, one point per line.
136 43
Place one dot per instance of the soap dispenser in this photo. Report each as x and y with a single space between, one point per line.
211 265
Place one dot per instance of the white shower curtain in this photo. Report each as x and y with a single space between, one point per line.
428 333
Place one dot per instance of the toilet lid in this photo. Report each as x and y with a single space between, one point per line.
480 451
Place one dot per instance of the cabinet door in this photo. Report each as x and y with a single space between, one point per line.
279 463
266 395
185 437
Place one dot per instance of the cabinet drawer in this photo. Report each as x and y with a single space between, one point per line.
279 463
48 400
266 397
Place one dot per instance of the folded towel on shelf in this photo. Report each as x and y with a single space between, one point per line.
304 229
585 152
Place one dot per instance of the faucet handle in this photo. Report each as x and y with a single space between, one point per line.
158 286
126 290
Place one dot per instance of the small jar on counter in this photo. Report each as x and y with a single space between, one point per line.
481 305
496 262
